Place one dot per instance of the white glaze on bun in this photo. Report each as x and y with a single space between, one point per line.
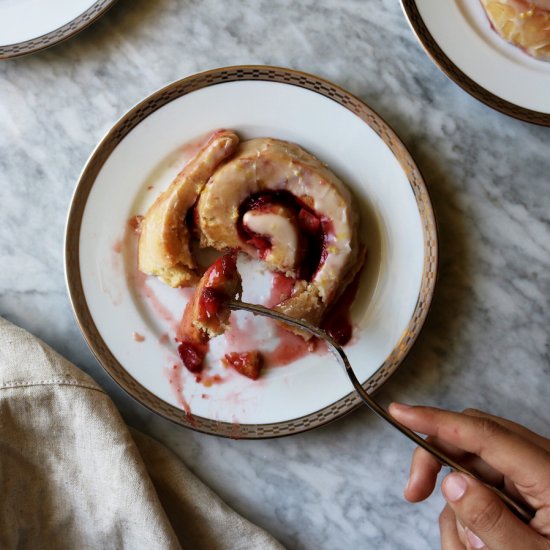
264 164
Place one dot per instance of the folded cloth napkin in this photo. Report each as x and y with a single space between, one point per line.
72 475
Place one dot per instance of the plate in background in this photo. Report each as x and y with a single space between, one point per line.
457 35
27 26
138 158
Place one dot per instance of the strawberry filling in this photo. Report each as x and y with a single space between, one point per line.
263 244
313 229
213 296
207 311
192 356
308 221
337 321
210 302
247 363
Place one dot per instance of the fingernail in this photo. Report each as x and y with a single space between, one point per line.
407 488
409 481
454 486
401 407
473 540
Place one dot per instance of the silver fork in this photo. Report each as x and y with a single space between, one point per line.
522 511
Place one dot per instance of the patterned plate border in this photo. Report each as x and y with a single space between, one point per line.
58 35
439 57
130 121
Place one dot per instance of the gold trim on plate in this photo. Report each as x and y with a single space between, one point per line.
58 35
130 121
439 57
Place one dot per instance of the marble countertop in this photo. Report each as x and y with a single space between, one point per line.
486 341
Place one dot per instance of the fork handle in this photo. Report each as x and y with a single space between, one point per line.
523 512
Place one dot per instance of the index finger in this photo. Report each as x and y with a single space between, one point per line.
525 463
524 432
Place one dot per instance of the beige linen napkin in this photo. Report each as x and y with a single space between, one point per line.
73 476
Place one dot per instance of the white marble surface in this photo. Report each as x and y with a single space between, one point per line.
486 342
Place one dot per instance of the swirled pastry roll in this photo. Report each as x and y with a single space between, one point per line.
269 199
164 241
276 201
524 23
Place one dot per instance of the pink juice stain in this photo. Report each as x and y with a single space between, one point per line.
160 309
241 338
175 375
117 246
281 289
290 348
138 280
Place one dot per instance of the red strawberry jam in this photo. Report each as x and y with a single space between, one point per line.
211 300
192 356
337 321
308 221
207 312
247 363
313 230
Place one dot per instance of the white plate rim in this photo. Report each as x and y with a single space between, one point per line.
55 36
138 113
451 70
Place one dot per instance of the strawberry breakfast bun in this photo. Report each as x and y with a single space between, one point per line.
275 201
268 199
164 241
524 23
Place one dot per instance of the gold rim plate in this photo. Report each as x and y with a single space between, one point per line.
138 114
58 35
440 58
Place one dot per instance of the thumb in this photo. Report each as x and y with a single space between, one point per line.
489 522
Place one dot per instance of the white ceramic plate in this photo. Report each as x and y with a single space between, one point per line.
458 36
138 159
27 26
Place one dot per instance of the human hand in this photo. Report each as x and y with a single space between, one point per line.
504 454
